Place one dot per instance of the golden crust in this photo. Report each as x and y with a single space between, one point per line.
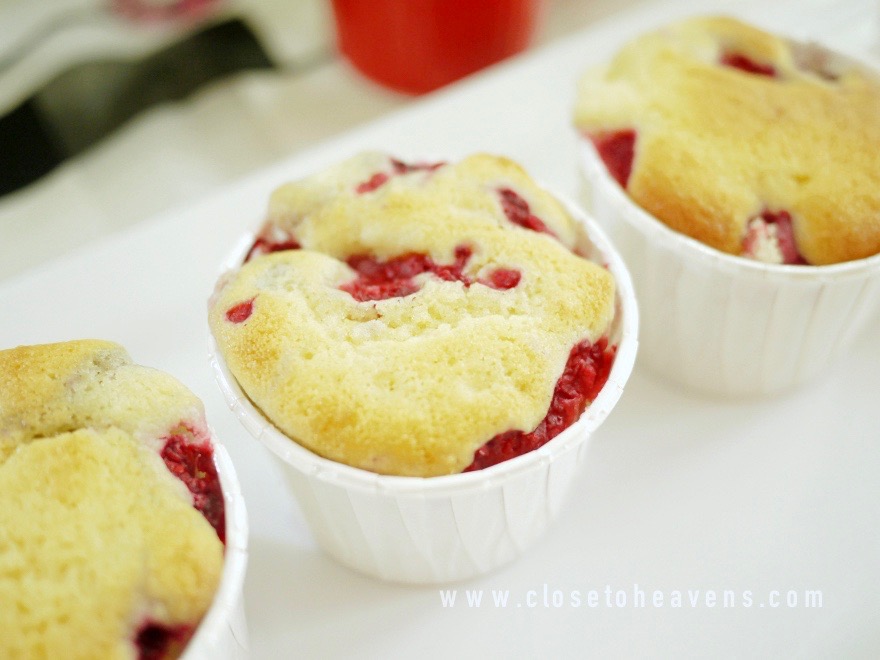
96 535
409 385
717 146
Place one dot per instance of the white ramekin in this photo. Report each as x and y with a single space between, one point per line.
723 324
222 634
448 528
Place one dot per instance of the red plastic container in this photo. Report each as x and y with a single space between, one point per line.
415 46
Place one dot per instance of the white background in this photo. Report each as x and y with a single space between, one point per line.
677 491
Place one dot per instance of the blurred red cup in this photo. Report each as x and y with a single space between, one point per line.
415 46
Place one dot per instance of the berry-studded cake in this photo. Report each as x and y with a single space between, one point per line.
755 145
112 516
417 319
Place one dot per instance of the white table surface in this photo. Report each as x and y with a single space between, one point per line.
677 492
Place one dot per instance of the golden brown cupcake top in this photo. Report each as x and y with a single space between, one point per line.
428 308
748 142
102 553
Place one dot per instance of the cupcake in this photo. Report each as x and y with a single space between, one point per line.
418 334
115 516
736 170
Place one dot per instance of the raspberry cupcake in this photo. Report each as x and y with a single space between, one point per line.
123 528
743 192
421 343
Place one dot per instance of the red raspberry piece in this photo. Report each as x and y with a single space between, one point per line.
156 641
744 63
784 237
617 150
398 167
381 291
585 373
380 280
518 212
372 183
189 457
503 279
454 272
240 312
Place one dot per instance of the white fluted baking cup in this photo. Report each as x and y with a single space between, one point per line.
448 528
222 633
724 324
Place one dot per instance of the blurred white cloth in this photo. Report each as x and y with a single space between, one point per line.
179 152
173 152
